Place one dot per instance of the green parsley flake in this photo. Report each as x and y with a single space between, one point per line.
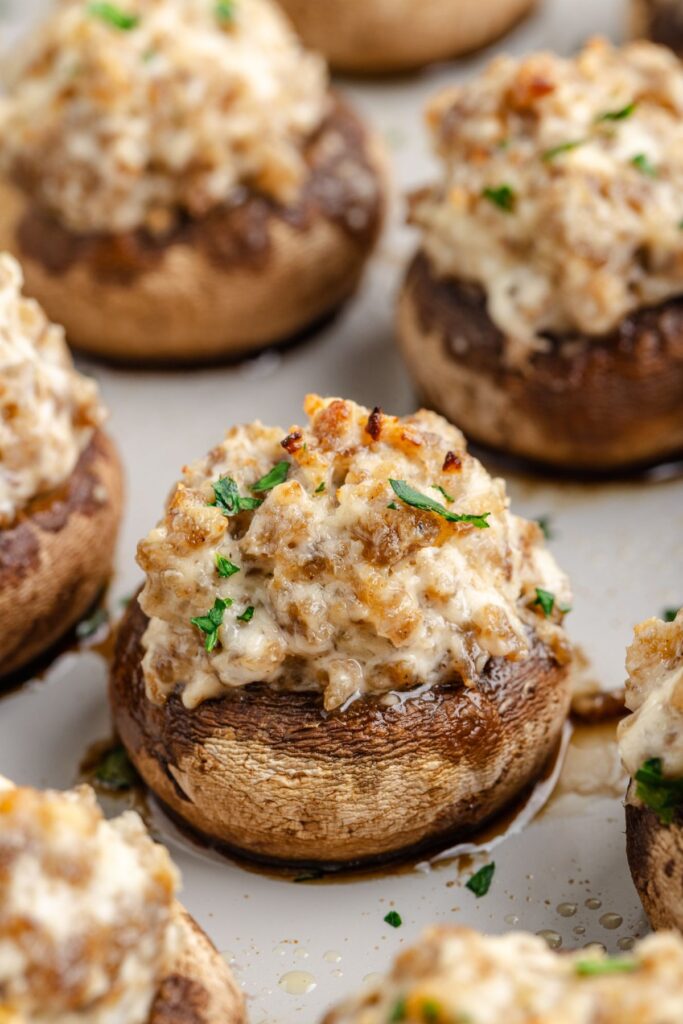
545 523
545 600
225 567
563 147
393 506
609 965
661 795
394 919
247 615
449 497
277 475
398 1012
209 623
480 882
225 11
643 164
320 488
87 628
115 770
503 197
114 16
617 115
430 1011
411 497
669 614
228 499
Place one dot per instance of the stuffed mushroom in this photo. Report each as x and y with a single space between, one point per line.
396 35
60 482
543 312
346 647
454 974
179 180
90 927
651 743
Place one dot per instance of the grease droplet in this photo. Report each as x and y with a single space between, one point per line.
611 921
297 983
332 956
228 956
373 977
511 919
593 903
337 974
566 909
553 939
579 930
301 954
628 942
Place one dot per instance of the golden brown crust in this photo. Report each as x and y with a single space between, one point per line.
371 36
243 277
596 404
200 989
58 555
275 776
655 857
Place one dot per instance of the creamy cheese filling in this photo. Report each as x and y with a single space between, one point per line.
86 931
562 189
457 975
118 112
654 693
48 411
333 583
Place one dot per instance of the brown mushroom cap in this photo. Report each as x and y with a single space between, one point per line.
273 775
655 857
244 276
658 20
376 36
200 988
57 556
599 404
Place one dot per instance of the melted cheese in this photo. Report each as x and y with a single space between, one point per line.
654 693
457 975
590 151
112 127
47 410
353 591
86 932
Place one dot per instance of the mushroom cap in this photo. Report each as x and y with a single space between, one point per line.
276 777
655 857
380 36
245 276
200 988
57 556
599 404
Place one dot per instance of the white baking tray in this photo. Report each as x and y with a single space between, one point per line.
622 544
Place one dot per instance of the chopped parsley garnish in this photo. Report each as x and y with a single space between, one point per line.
320 488
643 164
562 147
610 965
546 528
545 601
115 770
394 919
210 622
480 882
661 795
411 497
399 1011
247 615
669 614
225 11
228 498
314 875
92 625
277 475
449 497
430 1011
225 567
617 115
503 197
114 16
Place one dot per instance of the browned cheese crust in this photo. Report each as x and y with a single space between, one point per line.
58 555
658 20
244 276
607 403
655 857
275 776
374 36
201 988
